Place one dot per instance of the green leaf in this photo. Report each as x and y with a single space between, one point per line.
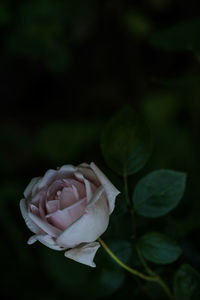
126 143
179 37
187 283
159 248
158 193
121 248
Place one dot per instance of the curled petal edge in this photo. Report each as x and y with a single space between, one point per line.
84 253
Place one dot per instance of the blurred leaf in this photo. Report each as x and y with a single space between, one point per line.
63 142
125 142
159 248
39 33
121 248
161 108
5 15
109 280
158 193
137 23
179 37
187 283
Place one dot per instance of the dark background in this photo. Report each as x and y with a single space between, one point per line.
65 68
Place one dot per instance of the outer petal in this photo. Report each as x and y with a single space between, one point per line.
28 190
30 224
88 173
88 227
45 240
110 190
46 227
52 175
84 253
88 184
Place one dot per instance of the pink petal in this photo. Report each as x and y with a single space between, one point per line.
46 227
75 192
89 227
110 190
34 209
30 224
67 170
88 173
45 240
54 187
67 198
52 206
90 188
84 253
48 178
64 218
80 187
52 175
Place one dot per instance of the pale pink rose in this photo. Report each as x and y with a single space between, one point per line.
69 208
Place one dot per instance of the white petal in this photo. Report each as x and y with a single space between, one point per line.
67 169
88 173
88 227
48 178
110 190
87 185
46 227
52 175
84 254
45 240
32 239
28 190
30 224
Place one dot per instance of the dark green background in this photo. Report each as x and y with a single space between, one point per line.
65 68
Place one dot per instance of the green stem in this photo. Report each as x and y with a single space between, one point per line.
146 267
153 277
123 265
150 272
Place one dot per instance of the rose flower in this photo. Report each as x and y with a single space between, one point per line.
68 209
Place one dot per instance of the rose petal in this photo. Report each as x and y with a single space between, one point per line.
46 227
34 209
64 218
75 192
88 185
47 179
45 240
67 169
88 173
56 186
52 175
84 253
78 185
28 190
67 198
30 224
52 206
89 227
110 190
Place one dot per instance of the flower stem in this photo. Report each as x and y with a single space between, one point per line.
153 277
123 265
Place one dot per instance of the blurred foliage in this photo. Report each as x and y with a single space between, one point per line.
66 67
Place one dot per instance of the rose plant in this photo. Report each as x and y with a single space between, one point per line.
69 209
